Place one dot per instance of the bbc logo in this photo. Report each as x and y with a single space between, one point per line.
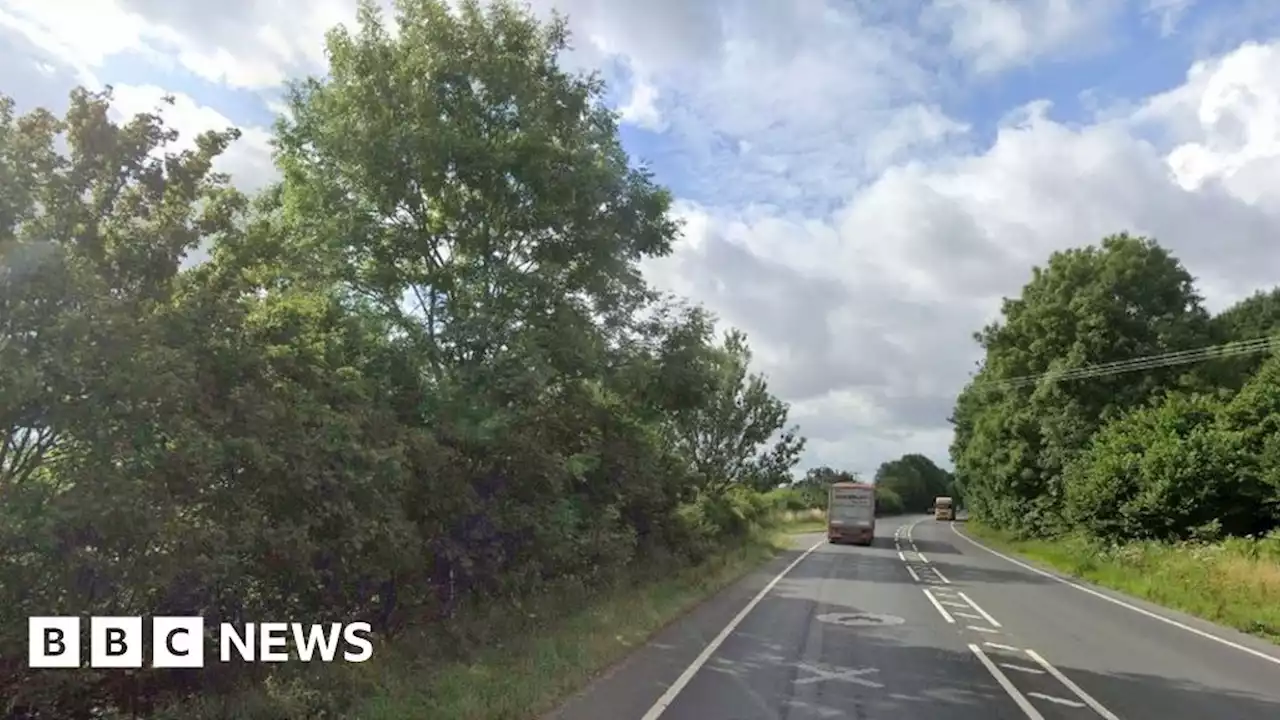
115 642
179 642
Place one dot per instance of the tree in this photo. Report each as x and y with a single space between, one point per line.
1123 299
1254 318
740 435
915 479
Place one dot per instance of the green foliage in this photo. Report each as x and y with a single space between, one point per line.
420 373
1162 453
915 481
888 502
1122 299
1167 472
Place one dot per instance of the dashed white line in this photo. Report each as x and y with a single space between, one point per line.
1086 697
902 557
945 615
1116 601
914 576
980 611
1055 699
1018 698
938 572
917 552
669 696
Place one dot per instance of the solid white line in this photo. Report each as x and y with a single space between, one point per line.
1021 700
1058 700
945 615
1086 697
669 696
981 612
914 576
938 572
1115 601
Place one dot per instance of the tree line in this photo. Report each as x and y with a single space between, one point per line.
420 372
1181 449
909 484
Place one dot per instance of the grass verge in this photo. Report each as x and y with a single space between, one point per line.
529 676
1235 582
530 657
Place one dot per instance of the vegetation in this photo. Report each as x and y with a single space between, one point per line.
1143 466
420 381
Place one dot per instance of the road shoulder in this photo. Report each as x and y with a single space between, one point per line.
630 687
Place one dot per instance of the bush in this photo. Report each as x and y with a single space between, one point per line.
1167 472
888 502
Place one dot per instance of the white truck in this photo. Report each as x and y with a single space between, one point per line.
851 513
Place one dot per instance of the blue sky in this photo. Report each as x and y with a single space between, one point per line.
860 181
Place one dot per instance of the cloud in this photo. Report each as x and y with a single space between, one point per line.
864 316
248 160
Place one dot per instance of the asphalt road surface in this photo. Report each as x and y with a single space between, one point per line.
927 624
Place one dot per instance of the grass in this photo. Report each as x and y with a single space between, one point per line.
795 522
530 660
529 676
1235 582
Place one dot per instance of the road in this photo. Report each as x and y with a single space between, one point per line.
925 625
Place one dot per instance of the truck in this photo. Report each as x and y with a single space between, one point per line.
851 513
943 509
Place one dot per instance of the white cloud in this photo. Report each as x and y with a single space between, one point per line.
993 35
247 160
875 304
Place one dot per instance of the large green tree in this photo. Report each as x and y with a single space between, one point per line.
1122 299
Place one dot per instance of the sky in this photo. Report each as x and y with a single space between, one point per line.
859 185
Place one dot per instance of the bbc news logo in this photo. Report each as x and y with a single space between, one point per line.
179 642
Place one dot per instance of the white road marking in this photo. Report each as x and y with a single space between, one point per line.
945 615
1116 601
1086 697
1018 698
922 557
967 615
1022 668
847 675
1054 699
950 603
981 612
914 576
902 557
938 572
669 696
997 646
979 628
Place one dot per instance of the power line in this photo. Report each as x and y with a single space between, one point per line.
1148 362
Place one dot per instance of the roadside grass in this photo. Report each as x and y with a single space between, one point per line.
529 659
795 522
1235 582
